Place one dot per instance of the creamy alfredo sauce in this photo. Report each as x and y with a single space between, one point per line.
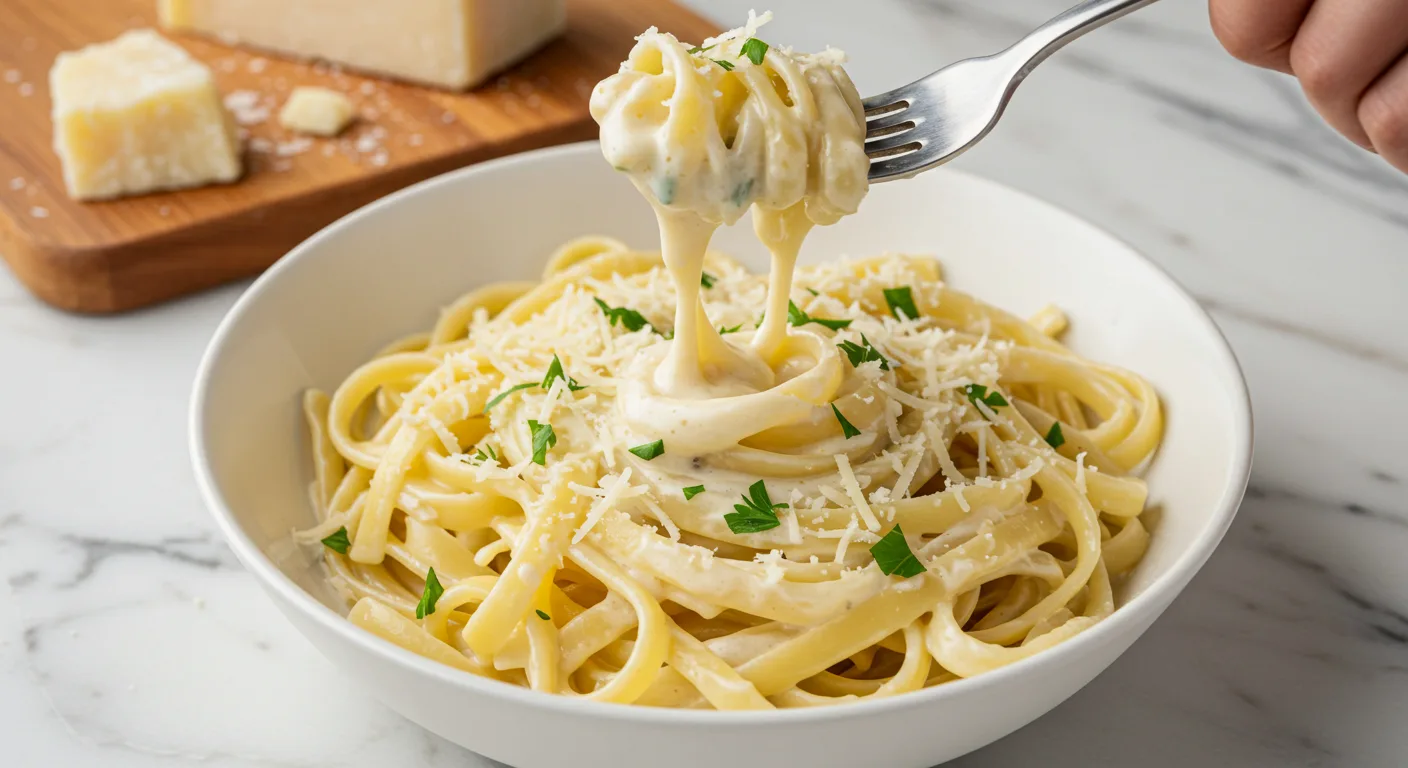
706 134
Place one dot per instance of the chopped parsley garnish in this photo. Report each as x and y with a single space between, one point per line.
863 353
893 555
740 192
543 615
847 428
756 513
707 280
729 328
692 491
629 318
544 438
696 49
1054 438
813 292
795 316
484 458
555 372
727 65
665 190
979 394
901 300
500 397
338 542
649 451
428 598
755 50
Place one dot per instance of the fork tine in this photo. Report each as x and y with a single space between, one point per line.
892 145
880 125
899 97
897 166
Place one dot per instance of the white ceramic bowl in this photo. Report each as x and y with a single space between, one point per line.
386 269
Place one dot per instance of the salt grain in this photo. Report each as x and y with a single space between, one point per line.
257 65
245 107
16 184
39 212
367 143
293 147
164 210
26 89
12 76
368 88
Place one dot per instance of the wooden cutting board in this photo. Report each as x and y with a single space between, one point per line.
118 255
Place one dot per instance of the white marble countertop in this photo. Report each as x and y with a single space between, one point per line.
129 636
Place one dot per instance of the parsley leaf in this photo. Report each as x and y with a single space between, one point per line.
1054 438
858 354
555 372
795 316
813 292
543 616
629 318
755 50
649 451
707 280
544 438
741 192
901 300
485 458
979 394
727 65
756 513
729 328
847 428
692 491
697 49
893 555
428 598
338 542
500 397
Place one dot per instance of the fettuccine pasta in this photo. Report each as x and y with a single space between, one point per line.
656 478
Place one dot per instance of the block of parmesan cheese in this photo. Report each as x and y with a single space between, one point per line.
454 44
138 114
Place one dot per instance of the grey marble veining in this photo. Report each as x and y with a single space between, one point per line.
130 637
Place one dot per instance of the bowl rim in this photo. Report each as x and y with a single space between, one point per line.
1165 587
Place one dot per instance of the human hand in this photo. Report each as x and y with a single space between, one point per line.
1349 56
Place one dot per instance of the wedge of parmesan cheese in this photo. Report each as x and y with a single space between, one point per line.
138 114
454 44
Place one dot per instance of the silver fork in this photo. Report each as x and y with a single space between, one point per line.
934 119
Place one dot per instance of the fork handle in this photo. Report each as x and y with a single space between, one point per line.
1065 27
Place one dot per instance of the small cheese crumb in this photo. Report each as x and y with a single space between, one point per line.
245 107
319 111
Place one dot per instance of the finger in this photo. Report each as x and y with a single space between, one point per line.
1383 112
1341 49
1258 32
